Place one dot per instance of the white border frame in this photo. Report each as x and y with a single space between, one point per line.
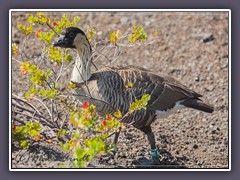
120 10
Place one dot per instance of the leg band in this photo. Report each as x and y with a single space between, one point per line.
155 153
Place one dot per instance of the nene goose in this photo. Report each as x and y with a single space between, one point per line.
108 86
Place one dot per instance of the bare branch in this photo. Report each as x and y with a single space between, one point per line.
24 101
41 101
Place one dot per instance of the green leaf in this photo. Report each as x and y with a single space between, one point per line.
138 34
31 18
24 144
65 146
90 34
26 29
129 85
15 50
115 36
61 133
68 57
140 104
118 114
155 32
33 132
49 72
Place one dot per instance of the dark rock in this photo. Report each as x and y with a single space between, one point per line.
195 146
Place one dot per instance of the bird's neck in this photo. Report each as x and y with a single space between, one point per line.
81 71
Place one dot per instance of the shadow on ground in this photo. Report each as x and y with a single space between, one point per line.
166 162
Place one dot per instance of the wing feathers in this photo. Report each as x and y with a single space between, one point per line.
164 90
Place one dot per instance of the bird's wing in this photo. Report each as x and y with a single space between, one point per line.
164 90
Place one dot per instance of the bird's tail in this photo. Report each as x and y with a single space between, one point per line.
198 104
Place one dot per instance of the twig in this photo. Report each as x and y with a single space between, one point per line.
29 104
38 120
64 121
52 29
17 60
101 53
28 110
18 120
118 55
52 110
43 105
60 71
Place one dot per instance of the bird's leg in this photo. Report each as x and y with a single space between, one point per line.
151 139
115 140
154 149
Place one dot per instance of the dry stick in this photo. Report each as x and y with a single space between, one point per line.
94 65
108 51
138 44
28 110
57 114
60 71
23 47
39 104
51 109
101 53
17 60
41 119
67 95
70 64
29 104
64 121
100 44
118 55
43 53
117 48
52 29
36 120
36 108
110 135
18 120
43 105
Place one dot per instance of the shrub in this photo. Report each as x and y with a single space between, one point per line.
87 136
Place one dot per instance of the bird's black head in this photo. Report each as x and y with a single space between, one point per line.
69 36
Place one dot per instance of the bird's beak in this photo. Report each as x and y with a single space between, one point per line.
61 42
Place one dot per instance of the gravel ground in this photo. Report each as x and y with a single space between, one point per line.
191 47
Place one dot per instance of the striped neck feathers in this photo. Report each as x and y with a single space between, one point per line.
81 71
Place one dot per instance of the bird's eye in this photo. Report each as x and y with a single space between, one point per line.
71 34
